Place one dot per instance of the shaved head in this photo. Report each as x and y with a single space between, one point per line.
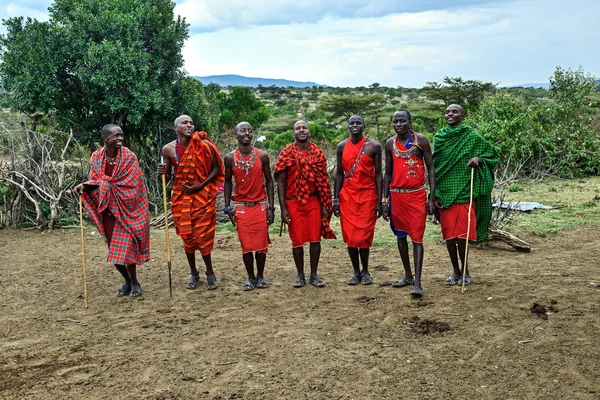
300 122
238 126
357 116
107 128
181 118
458 107
408 116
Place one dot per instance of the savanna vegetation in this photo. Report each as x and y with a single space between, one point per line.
97 62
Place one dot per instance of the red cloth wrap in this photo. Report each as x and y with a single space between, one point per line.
311 168
358 197
409 210
305 221
251 221
123 195
195 214
252 227
454 222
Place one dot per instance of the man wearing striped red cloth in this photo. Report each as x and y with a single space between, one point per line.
198 174
252 211
357 198
406 156
305 200
116 199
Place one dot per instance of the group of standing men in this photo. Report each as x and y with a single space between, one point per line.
115 196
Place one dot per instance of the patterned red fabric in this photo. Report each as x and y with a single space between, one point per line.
358 197
195 214
251 221
312 168
454 221
123 195
249 187
408 210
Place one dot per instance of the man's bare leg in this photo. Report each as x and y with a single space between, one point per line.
418 256
249 264
353 253
211 279
315 255
364 260
195 277
298 253
403 250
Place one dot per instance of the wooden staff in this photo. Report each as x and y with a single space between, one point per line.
85 293
164 185
281 228
468 232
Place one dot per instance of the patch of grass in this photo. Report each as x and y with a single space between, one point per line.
580 209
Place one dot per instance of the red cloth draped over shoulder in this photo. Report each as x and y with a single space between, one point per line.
312 168
195 214
123 195
358 196
408 209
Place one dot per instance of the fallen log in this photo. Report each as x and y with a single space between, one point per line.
510 239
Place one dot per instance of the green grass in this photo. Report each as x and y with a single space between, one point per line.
582 210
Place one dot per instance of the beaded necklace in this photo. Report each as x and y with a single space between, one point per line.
242 163
110 160
405 154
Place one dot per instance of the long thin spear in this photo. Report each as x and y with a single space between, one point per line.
164 187
468 233
85 292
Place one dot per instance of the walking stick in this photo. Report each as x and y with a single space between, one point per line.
281 228
85 293
468 232
164 185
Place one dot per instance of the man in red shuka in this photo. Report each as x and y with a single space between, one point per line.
406 156
252 211
357 198
305 199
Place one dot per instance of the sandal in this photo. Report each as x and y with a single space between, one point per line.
261 283
467 281
251 284
403 282
299 282
136 291
366 279
416 292
316 281
193 282
355 280
124 290
211 283
451 280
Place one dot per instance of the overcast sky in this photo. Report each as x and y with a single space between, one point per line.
395 43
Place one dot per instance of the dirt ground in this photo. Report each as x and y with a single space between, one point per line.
338 342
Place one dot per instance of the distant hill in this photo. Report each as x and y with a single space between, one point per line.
542 85
238 80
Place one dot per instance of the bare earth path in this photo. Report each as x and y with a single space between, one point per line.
337 342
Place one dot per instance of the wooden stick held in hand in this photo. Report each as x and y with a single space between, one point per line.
85 293
468 232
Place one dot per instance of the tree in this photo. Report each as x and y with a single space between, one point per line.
370 106
96 62
467 93
571 118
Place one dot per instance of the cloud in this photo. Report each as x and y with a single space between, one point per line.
209 15
37 9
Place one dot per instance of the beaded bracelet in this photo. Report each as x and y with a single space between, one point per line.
227 209
336 202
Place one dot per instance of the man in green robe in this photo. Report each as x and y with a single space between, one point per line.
456 149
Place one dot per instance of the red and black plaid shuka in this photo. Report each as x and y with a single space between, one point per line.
312 165
123 195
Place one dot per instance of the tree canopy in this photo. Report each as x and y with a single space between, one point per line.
95 62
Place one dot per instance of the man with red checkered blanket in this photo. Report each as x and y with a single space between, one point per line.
305 199
116 199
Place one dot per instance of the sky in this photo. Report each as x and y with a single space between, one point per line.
395 43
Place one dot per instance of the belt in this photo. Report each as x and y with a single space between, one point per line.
400 190
310 195
249 203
